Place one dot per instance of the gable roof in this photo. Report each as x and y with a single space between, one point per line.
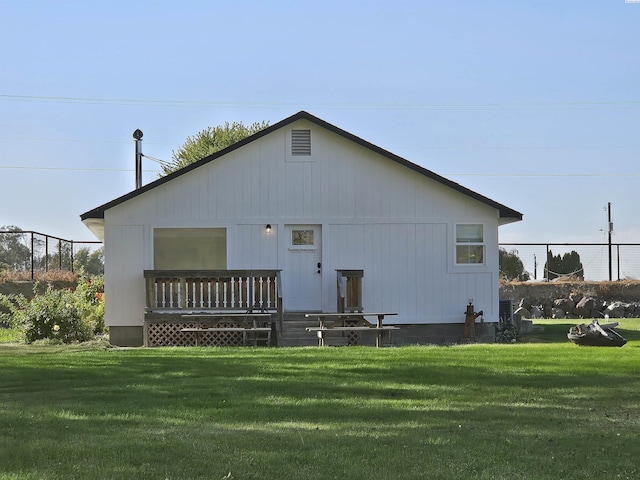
505 212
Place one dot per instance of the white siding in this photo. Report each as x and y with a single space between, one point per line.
124 285
375 214
252 247
406 269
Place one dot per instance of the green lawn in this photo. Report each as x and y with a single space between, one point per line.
540 409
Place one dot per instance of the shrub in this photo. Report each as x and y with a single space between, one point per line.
90 297
64 315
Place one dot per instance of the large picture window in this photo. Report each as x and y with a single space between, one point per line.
190 248
469 244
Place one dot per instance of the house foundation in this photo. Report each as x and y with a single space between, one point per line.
441 334
294 335
126 336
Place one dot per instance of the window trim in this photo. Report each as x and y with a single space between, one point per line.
482 243
301 248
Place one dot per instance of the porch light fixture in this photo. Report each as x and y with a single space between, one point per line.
268 228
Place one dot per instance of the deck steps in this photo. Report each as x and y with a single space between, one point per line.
294 333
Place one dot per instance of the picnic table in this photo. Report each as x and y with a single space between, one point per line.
244 323
350 322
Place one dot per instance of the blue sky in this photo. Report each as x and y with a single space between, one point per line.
535 104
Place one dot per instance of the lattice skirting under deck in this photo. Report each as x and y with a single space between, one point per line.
353 338
168 334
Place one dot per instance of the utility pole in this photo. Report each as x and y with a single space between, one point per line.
610 232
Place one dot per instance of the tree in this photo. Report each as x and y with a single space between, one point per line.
567 264
14 252
511 267
92 263
208 141
58 256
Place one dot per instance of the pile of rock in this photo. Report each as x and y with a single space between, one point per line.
577 307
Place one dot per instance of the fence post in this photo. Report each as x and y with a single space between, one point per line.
32 258
548 264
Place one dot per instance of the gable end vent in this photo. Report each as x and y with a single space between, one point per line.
300 142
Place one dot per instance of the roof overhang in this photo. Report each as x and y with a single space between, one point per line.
96 225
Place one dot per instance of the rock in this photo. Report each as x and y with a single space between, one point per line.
575 297
522 313
585 308
536 312
518 316
558 313
615 310
524 304
564 304
526 326
634 310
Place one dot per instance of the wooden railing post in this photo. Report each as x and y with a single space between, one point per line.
349 290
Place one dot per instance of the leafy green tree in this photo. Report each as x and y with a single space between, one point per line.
14 253
567 264
208 141
511 267
92 263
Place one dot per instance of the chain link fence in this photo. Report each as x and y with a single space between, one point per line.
600 261
31 253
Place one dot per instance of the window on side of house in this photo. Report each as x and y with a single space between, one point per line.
190 248
469 244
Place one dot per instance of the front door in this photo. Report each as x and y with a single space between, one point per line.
303 268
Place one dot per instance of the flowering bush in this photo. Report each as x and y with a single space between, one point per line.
90 297
63 315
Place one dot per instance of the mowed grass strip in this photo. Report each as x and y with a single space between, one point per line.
542 410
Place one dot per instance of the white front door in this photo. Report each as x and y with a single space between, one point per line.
303 268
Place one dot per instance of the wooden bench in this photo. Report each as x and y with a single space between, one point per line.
249 300
220 322
350 322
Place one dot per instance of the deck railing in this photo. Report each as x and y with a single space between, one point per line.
248 290
172 293
349 290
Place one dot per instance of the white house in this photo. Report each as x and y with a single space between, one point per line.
307 198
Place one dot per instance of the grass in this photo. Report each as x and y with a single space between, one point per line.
10 335
545 409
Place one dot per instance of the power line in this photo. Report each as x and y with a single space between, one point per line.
534 148
541 174
70 140
498 175
121 142
75 169
340 105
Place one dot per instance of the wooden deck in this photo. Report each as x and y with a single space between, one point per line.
173 294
